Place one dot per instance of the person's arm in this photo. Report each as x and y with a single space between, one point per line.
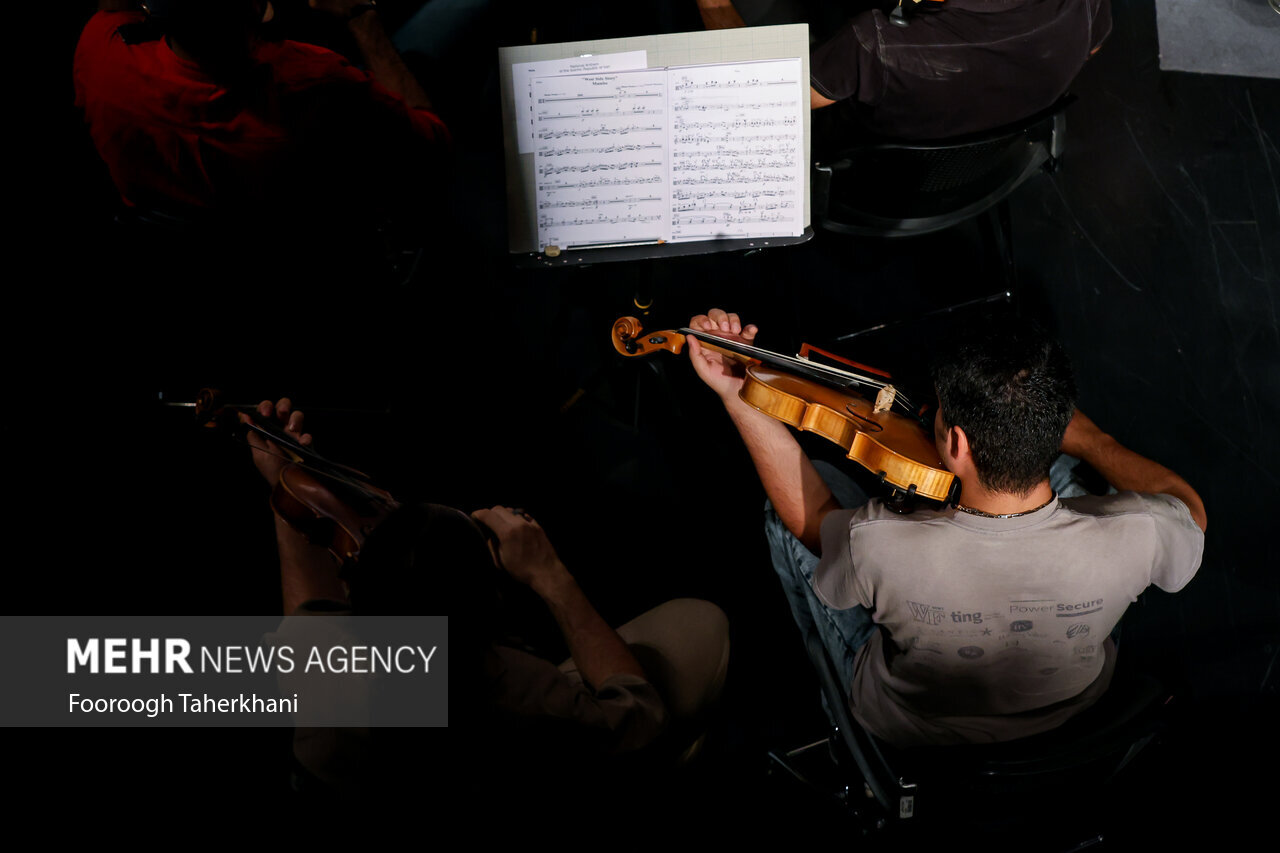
380 55
817 100
720 15
796 489
307 571
524 551
1125 470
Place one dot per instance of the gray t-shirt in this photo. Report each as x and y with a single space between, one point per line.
996 626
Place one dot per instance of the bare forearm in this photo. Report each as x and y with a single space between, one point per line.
817 100
594 646
795 488
307 571
384 61
719 15
1126 470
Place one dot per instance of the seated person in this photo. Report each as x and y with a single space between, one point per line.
988 620
959 66
193 111
635 696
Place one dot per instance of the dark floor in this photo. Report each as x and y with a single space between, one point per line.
1154 254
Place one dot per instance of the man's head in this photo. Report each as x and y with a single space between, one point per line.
1008 388
426 558
216 33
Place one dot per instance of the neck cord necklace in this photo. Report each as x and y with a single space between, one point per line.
1052 497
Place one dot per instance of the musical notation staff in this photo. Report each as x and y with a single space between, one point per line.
722 164
728 219
734 179
602 219
756 193
683 125
778 145
740 207
718 85
601 182
728 135
598 113
686 105
602 130
621 93
626 166
602 149
587 203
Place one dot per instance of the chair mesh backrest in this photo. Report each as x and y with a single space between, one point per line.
910 182
953 168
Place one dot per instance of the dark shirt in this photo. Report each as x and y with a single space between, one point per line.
967 66
302 128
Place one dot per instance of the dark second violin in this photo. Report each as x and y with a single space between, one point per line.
334 506
881 432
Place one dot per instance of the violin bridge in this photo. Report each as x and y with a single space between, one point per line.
884 399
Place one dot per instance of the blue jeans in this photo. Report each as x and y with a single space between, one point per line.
842 631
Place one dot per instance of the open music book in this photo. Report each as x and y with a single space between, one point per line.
698 152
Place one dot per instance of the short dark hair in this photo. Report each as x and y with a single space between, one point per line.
426 559
1008 384
218 33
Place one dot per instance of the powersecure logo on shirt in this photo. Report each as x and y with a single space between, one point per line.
1080 608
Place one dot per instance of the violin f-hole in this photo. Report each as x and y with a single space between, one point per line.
871 425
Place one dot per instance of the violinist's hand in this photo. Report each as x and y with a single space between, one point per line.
267 455
523 549
723 374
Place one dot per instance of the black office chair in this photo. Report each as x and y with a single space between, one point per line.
898 188
984 786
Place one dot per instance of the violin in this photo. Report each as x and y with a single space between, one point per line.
871 420
332 505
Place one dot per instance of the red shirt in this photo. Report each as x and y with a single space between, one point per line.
305 126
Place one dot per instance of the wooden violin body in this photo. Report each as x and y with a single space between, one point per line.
894 445
327 511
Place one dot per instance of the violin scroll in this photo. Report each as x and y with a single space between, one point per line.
629 339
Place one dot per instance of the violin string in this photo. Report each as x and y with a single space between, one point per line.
799 362
371 496
807 365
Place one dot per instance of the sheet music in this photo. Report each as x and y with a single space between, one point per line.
737 150
677 154
601 158
523 74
